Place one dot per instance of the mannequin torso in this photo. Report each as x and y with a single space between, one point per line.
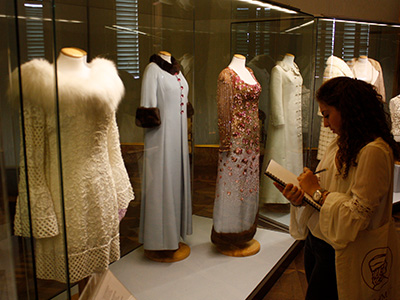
163 86
238 64
363 70
165 56
73 61
288 59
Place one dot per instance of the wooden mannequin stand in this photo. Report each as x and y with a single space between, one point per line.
169 256
247 249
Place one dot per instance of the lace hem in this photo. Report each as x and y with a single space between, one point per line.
42 228
81 265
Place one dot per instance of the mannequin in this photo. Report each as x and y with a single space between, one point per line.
394 106
284 135
73 61
288 59
95 190
165 56
369 70
363 70
166 214
335 67
236 198
238 64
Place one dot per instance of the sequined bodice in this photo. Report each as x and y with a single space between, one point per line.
236 197
244 114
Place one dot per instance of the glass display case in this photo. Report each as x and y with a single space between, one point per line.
72 155
342 48
322 48
279 50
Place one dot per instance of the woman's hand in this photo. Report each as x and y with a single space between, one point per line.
308 181
292 193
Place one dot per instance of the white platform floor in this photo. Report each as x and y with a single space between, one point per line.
205 274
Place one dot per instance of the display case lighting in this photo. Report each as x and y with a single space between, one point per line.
300 26
126 29
33 5
270 6
362 23
41 19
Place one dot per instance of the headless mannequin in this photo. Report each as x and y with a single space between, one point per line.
238 64
73 61
184 250
288 59
165 56
363 70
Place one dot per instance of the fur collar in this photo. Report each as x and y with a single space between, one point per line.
373 62
334 61
101 90
166 66
295 69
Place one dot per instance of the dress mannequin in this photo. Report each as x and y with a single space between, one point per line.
363 70
73 60
165 56
335 67
238 64
369 70
95 190
285 138
165 248
394 106
288 59
236 198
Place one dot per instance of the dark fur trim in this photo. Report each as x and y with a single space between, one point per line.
233 239
166 66
190 110
148 117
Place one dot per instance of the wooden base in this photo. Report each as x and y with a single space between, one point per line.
169 255
250 248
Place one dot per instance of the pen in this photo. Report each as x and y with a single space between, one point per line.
323 170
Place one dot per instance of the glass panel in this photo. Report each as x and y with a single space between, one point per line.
8 162
126 33
355 49
61 121
38 209
285 103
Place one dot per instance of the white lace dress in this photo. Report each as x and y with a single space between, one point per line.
95 183
394 106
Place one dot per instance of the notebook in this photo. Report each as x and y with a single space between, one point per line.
283 176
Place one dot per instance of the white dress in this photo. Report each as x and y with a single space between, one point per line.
284 136
394 106
335 67
374 73
166 208
94 179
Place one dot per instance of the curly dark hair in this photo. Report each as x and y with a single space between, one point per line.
363 118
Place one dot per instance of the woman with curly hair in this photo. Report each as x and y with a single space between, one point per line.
351 247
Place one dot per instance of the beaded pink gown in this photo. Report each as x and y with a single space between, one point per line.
236 198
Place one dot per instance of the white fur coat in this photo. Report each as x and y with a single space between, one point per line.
74 165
